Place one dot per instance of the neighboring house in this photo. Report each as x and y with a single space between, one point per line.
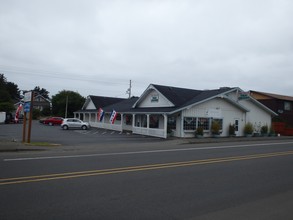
281 104
41 103
161 109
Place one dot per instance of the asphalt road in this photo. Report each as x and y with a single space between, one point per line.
151 179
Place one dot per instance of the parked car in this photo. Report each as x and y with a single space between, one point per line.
74 123
52 121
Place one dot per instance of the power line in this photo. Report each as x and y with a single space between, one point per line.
58 75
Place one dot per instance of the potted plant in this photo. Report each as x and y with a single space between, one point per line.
248 129
199 132
215 128
232 130
264 130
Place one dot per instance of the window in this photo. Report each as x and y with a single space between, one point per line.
204 123
287 106
189 123
236 125
128 119
154 121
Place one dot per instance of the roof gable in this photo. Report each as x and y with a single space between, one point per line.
96 102
265 95
122 106
168 96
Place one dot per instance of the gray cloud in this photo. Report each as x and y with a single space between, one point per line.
96 47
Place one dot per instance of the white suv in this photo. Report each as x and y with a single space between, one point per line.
74 123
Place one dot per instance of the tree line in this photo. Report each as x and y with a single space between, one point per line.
10 95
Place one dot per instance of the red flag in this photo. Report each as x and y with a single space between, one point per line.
19 108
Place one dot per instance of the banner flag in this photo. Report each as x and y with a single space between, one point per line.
19 108
113 116
101 114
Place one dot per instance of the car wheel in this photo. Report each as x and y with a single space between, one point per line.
84 127
50 123
65 127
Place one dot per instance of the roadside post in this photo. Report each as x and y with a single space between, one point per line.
28 108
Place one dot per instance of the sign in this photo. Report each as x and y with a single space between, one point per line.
27 96
243 96
214 113
27 107
154 98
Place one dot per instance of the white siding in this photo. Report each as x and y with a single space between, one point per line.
90 105
257 116
148 103
222 109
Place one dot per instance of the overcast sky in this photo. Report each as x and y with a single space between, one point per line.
95 47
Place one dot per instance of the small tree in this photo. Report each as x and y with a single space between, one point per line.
264 130
231 129
215 128
199 132
248 128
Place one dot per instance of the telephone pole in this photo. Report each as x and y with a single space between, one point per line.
129 90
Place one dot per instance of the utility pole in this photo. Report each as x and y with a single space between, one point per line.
129 90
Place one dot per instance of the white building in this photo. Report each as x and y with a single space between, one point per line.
163 110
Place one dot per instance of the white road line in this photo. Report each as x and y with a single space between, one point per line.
144 152
105 132
113 132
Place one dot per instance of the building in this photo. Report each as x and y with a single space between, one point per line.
92 103
41 103
164 110
281 104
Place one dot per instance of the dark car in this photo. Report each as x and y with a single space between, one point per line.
52 121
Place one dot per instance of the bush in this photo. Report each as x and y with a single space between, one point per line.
231 129
215 127
199 131
264 129
248 128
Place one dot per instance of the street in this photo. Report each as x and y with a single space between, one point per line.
152 179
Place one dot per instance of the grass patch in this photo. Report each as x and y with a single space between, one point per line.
42 144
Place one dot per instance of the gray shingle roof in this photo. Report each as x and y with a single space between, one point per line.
102 101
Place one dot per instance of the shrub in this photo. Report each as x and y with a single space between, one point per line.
248 128
215 127
231 129
264 129
199 131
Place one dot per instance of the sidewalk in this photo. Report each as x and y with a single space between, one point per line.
17 146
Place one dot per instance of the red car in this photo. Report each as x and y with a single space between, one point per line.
52 121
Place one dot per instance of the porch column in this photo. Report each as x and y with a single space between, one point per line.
148 121
165 125
133 120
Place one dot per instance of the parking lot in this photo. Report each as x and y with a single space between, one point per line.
55 135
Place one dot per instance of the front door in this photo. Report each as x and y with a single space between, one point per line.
236 124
